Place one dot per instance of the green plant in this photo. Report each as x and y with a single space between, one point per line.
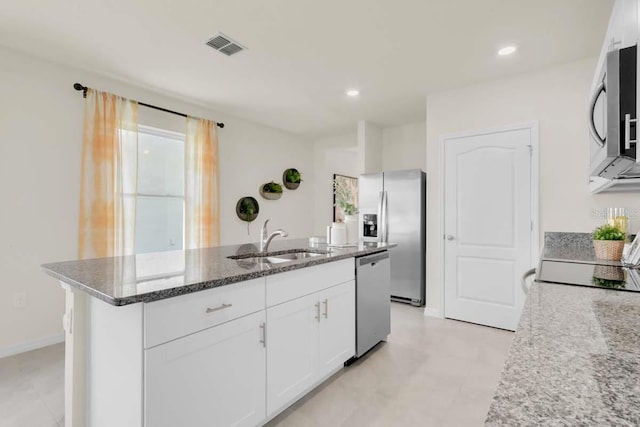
607 232
272 187
247 207
343 198
293 176
607 283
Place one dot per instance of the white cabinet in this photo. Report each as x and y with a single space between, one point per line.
213 377
292 350
308 339
235 355
176 317
623 31
337 327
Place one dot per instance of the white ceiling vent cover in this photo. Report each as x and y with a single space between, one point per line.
225 44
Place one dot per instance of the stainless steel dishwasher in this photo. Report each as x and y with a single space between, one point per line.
373 301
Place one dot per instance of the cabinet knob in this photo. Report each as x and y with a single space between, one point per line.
450 237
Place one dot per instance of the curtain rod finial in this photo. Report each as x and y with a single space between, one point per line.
78 86
220 125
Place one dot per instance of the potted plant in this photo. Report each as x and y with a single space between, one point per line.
291 178
608 242
271 190
344 200
247 210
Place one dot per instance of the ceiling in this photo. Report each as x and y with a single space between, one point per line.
303 54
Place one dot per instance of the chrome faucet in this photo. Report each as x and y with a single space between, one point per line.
266 238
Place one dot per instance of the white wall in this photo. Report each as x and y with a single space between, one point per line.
557 98
403 147
331 155
41 132
369 147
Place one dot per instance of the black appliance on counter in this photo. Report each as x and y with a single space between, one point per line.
592 275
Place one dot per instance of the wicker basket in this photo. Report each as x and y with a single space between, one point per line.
609 249
608 272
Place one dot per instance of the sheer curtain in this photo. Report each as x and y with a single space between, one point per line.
202 210
109 169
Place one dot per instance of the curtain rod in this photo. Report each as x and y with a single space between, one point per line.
78 86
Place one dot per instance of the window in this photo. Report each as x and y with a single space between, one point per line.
160 190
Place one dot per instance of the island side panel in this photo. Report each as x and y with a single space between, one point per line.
74 322
115 367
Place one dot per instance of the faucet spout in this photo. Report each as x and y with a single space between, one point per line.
266 238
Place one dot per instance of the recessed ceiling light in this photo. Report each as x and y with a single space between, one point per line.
507 50
353 92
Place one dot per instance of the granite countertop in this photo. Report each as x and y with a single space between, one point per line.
575 360
155 276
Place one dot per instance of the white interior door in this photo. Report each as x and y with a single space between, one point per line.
488 225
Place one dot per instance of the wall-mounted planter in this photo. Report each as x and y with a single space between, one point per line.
271 190
291 178
247 210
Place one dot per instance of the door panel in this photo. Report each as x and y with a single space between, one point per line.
405 225
292 350
488 226
498 224
215 376
337 327
496 275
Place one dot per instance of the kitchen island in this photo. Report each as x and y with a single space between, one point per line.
213 336
575 358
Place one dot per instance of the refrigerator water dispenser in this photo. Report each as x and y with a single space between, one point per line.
370 225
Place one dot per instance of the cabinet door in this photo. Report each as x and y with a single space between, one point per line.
623 25
337 327
292 350
213 377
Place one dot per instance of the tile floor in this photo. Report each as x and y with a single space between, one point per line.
431 372
32 388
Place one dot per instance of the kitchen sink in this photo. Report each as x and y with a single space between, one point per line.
276 257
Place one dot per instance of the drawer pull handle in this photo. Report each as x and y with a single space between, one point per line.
222 307
326 308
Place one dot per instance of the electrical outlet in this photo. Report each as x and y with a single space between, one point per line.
20 299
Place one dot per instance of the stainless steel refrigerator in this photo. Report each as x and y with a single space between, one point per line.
392 208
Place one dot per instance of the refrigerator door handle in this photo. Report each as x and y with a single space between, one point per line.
385 222
380 219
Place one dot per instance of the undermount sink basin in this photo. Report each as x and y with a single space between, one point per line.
296 255
276 257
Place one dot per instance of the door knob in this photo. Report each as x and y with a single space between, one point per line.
450 237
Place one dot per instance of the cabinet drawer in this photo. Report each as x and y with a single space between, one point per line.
172 318
294 284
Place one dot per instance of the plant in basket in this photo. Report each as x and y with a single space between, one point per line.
608 242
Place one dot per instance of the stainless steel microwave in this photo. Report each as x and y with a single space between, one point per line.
613 119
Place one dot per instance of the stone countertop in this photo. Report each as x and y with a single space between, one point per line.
575 360
573 247
155 276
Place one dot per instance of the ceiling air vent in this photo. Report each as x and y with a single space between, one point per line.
225 44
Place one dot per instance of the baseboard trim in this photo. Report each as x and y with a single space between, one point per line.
32 345
433 312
